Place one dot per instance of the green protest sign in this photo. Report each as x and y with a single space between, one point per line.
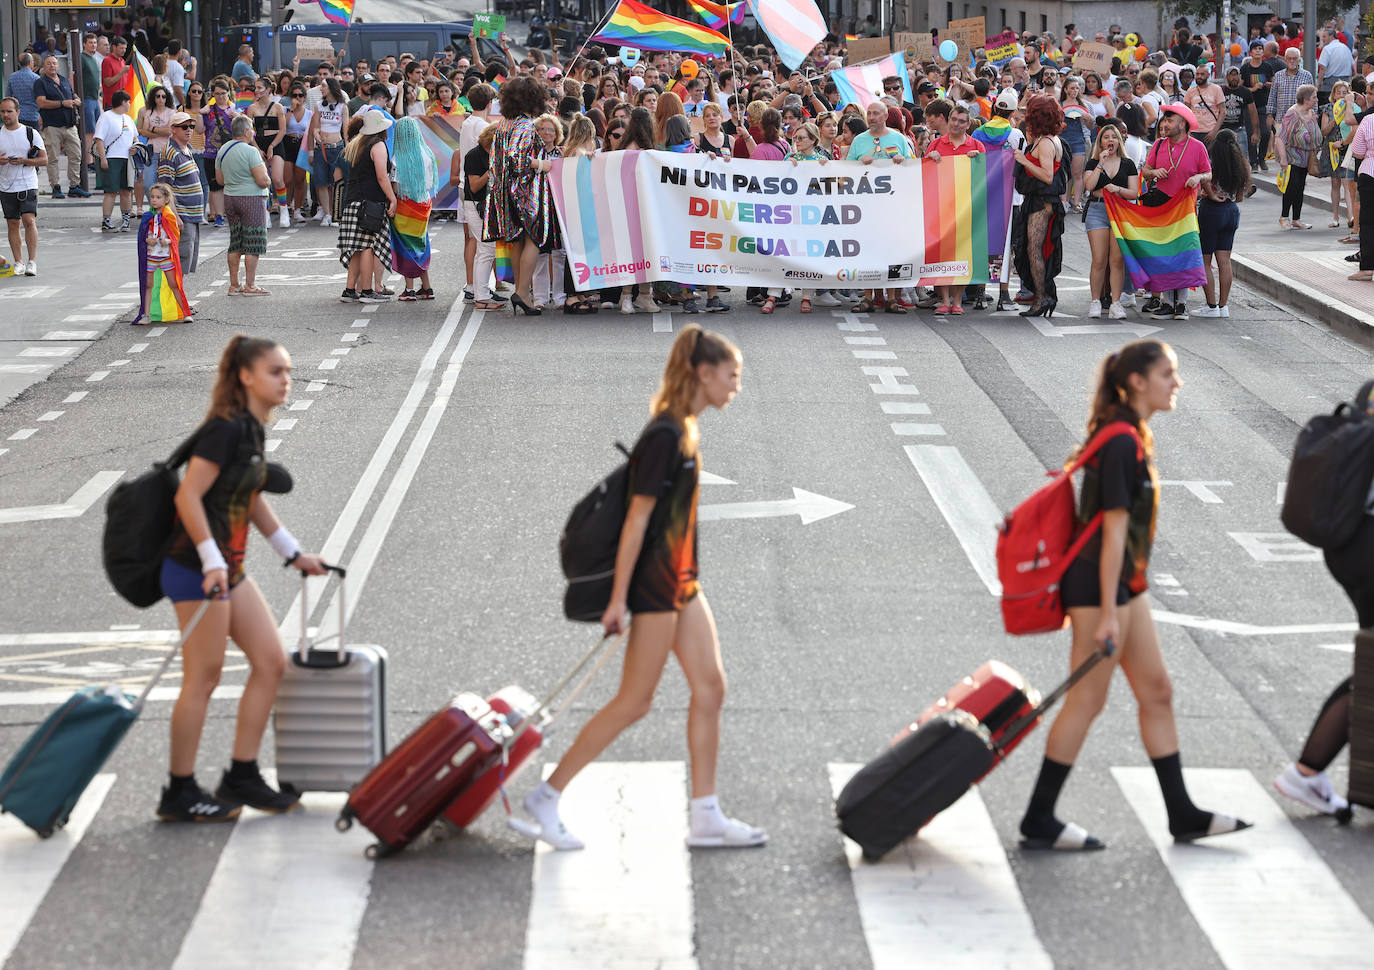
488 24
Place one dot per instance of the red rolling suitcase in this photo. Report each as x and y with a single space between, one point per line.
517 706
997 696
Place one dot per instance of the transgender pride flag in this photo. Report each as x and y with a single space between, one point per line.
863 83
609 234
794 27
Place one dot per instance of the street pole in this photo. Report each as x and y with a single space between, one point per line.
1309 36
1224 38
276 34
75 51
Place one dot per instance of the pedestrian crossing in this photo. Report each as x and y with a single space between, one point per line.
293 891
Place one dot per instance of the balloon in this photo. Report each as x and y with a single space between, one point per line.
1235 50
1132 40
1141 53
629 56
689 69
949 50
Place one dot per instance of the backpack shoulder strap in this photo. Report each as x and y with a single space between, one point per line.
1103 435
1362 397
183 453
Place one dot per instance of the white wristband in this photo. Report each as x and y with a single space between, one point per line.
210 558
284 543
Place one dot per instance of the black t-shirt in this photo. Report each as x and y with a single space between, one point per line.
475 163
1236 100
1264 73
235 446
362 179
1124 170
1185 53
1120 477
665 577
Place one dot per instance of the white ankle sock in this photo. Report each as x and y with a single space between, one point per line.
706 815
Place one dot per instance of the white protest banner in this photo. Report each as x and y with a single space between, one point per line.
635 217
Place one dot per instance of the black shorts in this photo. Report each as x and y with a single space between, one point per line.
18 204
1082 587
289 149
215 185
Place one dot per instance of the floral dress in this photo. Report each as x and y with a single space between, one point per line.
518 197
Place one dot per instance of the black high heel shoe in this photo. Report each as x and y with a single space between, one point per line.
518 304
1045 309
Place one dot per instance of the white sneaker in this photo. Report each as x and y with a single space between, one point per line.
626 307
326 222
1116 311
826 299
1128 299
1224 312
547 825
645 303
285 219
30 268
1207 312
321 217
1314 791
1095 310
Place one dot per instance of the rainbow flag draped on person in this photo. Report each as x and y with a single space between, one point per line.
716 15
637 25
794 27
338 11
161 292
1160 244
992 133
410 251
863 83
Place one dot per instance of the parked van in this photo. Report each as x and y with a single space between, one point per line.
367 41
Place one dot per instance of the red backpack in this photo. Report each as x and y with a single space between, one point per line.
1036 543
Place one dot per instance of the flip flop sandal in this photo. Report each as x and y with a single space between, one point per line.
488 305
1072 838
1220 825
1348 240
736 835
254 291
863 306
235 290
769 305
894 307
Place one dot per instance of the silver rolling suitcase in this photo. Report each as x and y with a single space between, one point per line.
330 717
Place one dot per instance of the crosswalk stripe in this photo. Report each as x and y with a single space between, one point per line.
288 891
625 901
1264 897
946 899
31 865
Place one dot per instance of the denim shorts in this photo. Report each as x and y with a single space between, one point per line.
1097 216
1217 225
181 584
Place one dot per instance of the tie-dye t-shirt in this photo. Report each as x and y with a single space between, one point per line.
235 447
1117 478
665 576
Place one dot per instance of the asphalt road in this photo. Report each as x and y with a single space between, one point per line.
437 451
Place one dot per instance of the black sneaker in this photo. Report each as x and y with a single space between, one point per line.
257 793
1157 309
349 296
107 226
1180 311
368 296
57 193
194 804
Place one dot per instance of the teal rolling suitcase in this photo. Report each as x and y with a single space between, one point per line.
44 780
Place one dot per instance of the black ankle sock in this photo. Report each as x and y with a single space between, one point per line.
1040 821
243 769
178 783
1184 816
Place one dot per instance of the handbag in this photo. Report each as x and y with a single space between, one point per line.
371 215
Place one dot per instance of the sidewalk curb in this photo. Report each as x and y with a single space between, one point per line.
1305 300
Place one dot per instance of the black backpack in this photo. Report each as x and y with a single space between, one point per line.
590 539
1330 475
139 516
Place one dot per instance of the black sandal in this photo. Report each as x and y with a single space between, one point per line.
863 306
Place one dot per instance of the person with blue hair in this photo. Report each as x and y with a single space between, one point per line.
417 180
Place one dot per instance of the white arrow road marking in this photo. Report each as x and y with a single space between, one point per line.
1236 628
810 506
708 479
1136 329
82 499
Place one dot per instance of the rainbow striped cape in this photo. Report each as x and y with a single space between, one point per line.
1159 243
161 294
410 237
716 15
637 25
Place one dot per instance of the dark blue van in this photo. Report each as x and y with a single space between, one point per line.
364 41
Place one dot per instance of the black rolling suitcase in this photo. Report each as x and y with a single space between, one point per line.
929 770
1362 726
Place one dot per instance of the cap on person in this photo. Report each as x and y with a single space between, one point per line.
180 118
1184 112
374 122
554 72
1007 100
367 79
925 87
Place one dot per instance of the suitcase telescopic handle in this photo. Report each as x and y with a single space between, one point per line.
605 648
176 648
1014 730
303 650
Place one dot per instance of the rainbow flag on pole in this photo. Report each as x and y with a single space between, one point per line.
637 25
1160 244
863 83
136 82
716 15
966 211
794 27
338 11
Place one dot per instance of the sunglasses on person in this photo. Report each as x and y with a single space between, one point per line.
187 126
297 94
892 87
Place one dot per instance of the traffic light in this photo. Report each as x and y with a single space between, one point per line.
186 5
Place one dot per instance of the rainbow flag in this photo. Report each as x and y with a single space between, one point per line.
863 83
716 15
410 237
849 37
794 27
505 261
136 82
440 133
966 211
242 99
637 25
338 11
993 133
1159 243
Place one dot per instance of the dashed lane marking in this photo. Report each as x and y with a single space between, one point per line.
52 415
119 363
905 407
157 331
23 434
340 351
89 317
285 424
137 349
330 364
866 341
99 375
271 444
905 428
888 382
873 355
47 351
360 323
75 397
300 405
71 335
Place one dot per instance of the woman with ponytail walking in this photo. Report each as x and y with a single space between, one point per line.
219 497
1102 592
656 581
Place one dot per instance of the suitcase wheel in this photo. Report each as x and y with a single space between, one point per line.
872 856
378 850
46 832
1345 815
344 822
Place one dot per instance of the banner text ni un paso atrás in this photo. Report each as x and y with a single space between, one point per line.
636 217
